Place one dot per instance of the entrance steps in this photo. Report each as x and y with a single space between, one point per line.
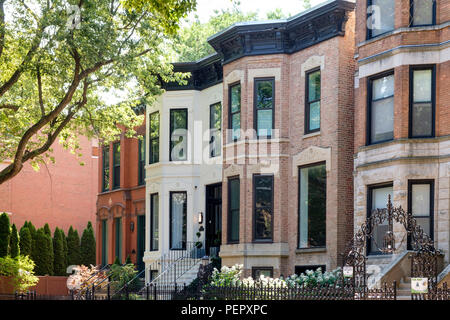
404 289
376 267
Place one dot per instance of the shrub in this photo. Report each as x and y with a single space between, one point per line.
66 250
84 277
44 257
59 263
25 241
314 278
5 232
14 249
21 270
87 246
73 247
120 275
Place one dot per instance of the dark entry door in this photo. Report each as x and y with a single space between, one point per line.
140 242
213 219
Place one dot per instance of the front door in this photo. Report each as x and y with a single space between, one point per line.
140 242
213 219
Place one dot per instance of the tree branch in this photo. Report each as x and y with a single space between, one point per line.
9 106
41 101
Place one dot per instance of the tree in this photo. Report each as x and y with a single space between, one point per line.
43 260
87 247
5 232
191 43
25 241
73 247
59 263
306 4
55 65
49 234
14 249
66 249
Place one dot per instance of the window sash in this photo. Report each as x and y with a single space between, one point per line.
178 220
263 207
381 109
312 97
423 12
233 209
377 199
422 106
264 102
215 126
116 165
118 246
154 138
105 173
141 170
312 211
387 17
178 135
235 111
154 222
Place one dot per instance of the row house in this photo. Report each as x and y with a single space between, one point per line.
402 117
121 199
258 145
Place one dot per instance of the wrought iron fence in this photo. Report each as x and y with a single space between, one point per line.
442 293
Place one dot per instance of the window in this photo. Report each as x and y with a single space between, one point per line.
264 100
302 269
154 222
312 110
178 220
105 173
154 138
104 242
312 206
215 127
257 272
263 207
381 17
141 174
116 165
381 109
421 102
423 12
118 242
233 209
421 205
178 134
378 199
235 111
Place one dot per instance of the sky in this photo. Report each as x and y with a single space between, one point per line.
205 8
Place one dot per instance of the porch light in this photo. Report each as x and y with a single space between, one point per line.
200 217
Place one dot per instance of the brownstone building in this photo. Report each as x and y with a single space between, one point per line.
402 118
287 198
121 200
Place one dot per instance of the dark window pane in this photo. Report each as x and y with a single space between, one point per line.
263 206
264 94
233 220
264 107
312 112
105 156
235 111
142 161
312 215
379 201
235 98
116 165
314 86
118 227
215 129
154 151
154 221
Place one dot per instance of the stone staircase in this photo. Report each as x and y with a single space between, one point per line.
376 266
186 278
404 289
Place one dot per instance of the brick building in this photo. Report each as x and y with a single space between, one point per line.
402 116
121 200
61 194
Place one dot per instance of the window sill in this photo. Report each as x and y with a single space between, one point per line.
310 135
310 250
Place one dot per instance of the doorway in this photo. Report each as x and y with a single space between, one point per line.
213 219
140 242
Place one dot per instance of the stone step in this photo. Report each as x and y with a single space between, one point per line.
403 297
403 285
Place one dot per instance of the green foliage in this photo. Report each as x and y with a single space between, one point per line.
87 246
5 232
14 249
128 260
73 247
120 275
117 262
44 257
62 81
66 249
47 230
25 241
21 270
59 261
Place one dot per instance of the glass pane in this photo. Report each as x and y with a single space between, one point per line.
215 129
425 224
379 201
423 12
234 194
264 94
235 98
263 191
384 21
234 197
383 87
314 86
264 122
178 220
312 207
154 151
236 125
262 272
215 116
314 116
154 125
382 124
420 202
178 135
422 120
155 222
422 85
116 154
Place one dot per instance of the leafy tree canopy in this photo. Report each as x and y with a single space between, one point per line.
62 62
